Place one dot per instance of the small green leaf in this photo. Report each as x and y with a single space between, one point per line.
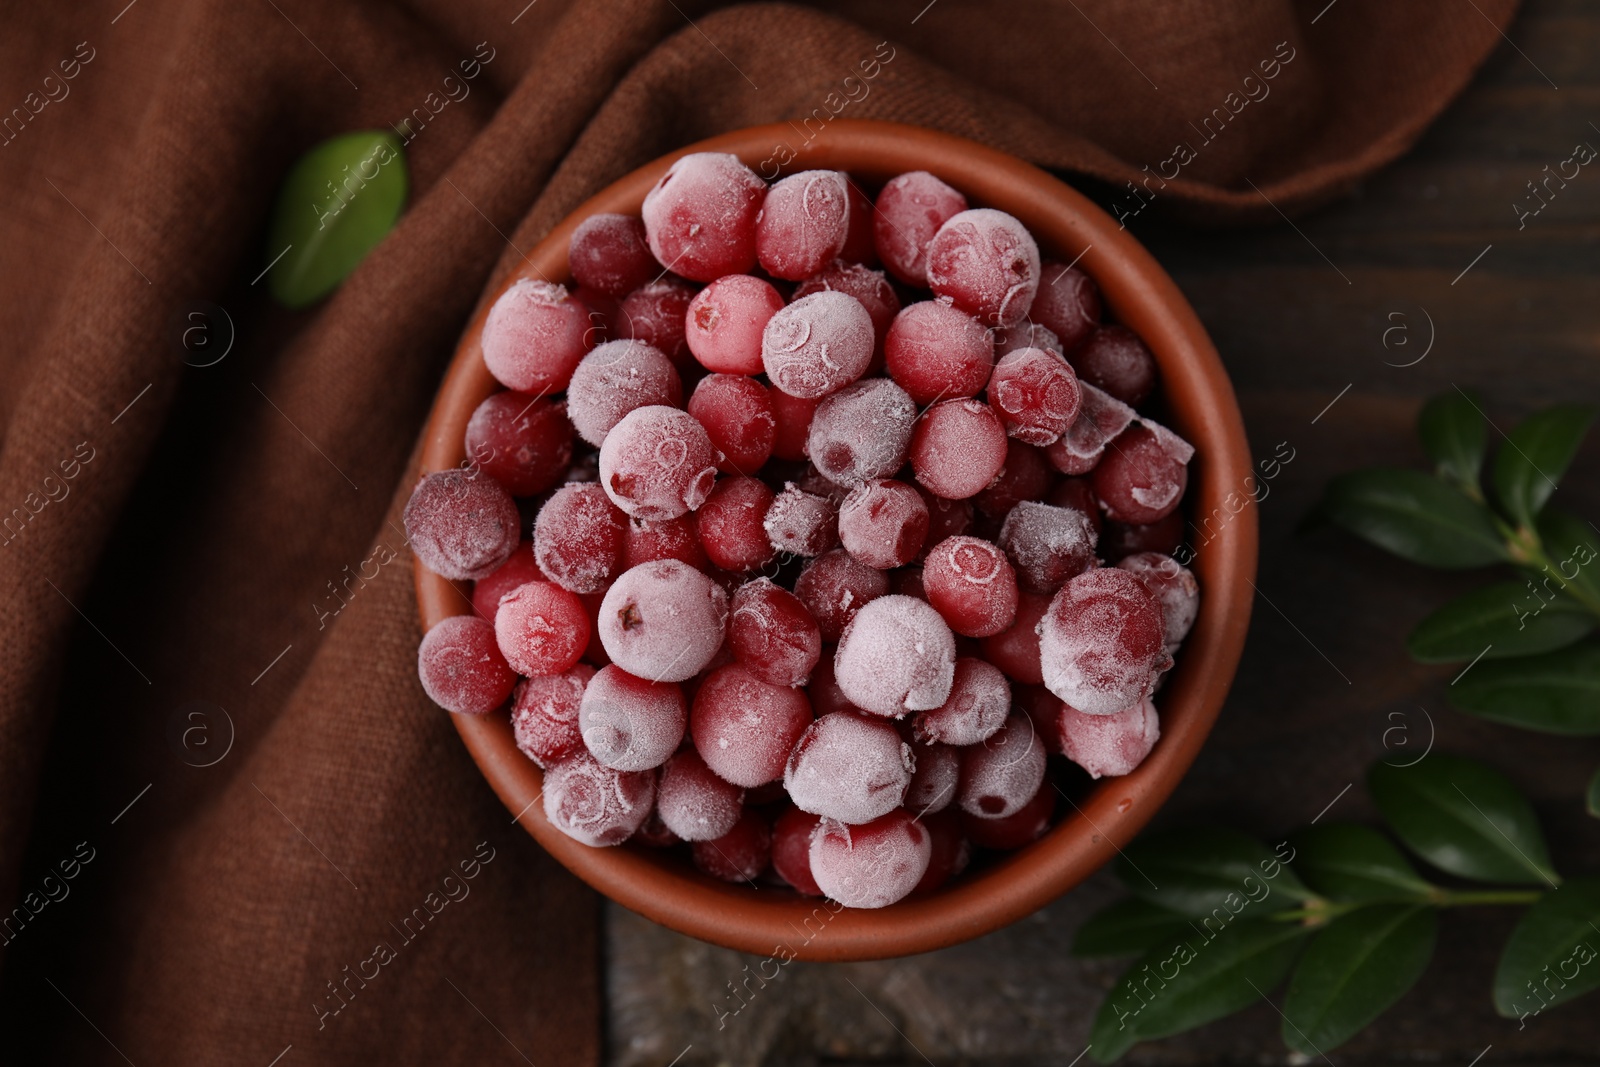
1535 455
1557 693
1415 516
1199 870
1507 618
1551 956
1346 861
1453 431
1186 984
337 202
1353 971
1573 546
1464 818
1127 928
1591 798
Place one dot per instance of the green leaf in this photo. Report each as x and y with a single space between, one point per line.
1507 618
1573 546
1415 516
1187 984
1197 870
1535 455
1557 693
1464 818
1127 928
1353 971
1346 861
1454 432
1551 956
337 202
1591 799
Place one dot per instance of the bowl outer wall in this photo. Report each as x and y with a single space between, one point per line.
1203 409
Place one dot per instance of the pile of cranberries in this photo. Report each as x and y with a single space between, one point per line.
818 577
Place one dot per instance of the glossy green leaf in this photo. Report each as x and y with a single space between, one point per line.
1506 618
1591 797
1353 971
337 202
1464 818
1197 870
1556 693
1573 547
1186 984
1535 455
1127 928
1554 952
1454 432
1347 861
1415 516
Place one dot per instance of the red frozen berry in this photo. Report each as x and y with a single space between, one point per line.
1174 587
595 804
663 621
818 344
1067 304
1102 642
835 586
1025 475
519 568
802 523
957 448
658 463
725 321
609 253
693 803
578 538
773 634
791 850
1114 359
521 441
737 413
614 379
803 223
461 524
850 767
731 524
971 583
630 723
896 655
534 336
883 523
541 629
979 700
1036 394
461 667
654 314
909 211
1047 545
934 351
1000 775
544 716
862 432
700 218
1015 650
744 728
1110 745
741 854
872 865
1143 475
987 262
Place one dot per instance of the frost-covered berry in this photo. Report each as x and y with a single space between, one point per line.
818 344
520 567
883 523
700 217
909 211
987 262
541 629
933 786
873 865
1143 475
596 804
1068 304
957 448
849 767
520 441
1025 475
614 379
694 803
935 350
803 223
461 524
1015 650
772 634
1003 773
866 285
544 715
835 586
1101 417
663 621
736 411
1110 745
862 432
1102 641
1036 395
741 854
534 336
630 723
1114 359
1047 545
745 728
646 541
725 321
896 655
578 538
802 523
461 667
980 699
610 253
658 463
653 314
971 583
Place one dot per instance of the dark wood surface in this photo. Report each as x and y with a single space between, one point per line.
1298 316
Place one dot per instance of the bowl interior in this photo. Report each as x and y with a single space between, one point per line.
1200 406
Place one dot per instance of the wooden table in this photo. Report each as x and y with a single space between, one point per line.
1300 318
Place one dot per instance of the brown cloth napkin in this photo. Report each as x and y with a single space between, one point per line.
232 825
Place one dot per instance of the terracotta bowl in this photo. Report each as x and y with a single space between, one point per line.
663 886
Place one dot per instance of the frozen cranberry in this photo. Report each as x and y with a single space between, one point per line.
737 413
1026 475
461 667
725 321
654 315
1110 745
487 591
1143 475
741 854
972 585
1003 773
946 518
544 716
647 541
578 538
1175 590
979 700
957 448
541 629
663 621
933 786
802 523
818 344
610 253
835 586
594 803
773 634
614 379
950 850
461 524
520 441
1102 641
1047 545
883 523
1077 493
1100 418
896 655
1015 650
1115 360
700 218
534 336
803 223
934 351
744 727
791 850
1036 395
866 285
909 211
695 804
987 262
629 723
732 524
1068 304
862 432
794 415
658 463
849 767
1027 824
871 865
1008 339
1164 536
858 241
